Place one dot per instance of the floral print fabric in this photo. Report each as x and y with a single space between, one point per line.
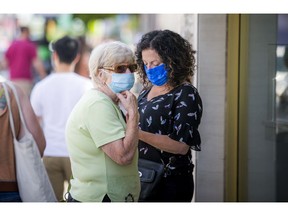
176 114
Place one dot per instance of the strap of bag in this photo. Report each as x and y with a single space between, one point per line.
171 159
143 95
10 109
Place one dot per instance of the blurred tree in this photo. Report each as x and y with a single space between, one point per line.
87 17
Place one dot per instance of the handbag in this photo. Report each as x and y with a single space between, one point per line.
150 174
33 181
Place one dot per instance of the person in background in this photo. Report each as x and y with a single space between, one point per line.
8 182
20 57
82 66
102 146
52 99
170 110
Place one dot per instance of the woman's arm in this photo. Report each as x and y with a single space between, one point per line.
31 121
163 142
122 151
186 119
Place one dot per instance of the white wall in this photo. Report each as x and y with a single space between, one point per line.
212 88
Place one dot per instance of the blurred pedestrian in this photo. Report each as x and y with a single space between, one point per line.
102 146
52 99
82 66
20 57
8 182
170 109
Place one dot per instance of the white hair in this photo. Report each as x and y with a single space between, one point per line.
109 54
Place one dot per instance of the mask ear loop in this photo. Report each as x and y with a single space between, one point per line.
102 86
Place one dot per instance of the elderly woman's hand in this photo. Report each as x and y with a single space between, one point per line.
129 102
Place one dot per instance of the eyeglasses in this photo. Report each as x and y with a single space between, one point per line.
121 68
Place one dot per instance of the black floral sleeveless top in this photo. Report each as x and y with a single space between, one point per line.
176 114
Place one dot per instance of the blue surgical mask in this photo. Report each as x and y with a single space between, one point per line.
121 82
158 75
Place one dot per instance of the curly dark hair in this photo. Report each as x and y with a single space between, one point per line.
175 51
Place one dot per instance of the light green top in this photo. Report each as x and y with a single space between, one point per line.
95 121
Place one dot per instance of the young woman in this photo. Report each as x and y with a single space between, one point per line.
170 109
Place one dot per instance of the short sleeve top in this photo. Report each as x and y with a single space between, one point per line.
7 156
176 114
94 122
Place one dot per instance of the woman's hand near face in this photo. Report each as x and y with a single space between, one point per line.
129 102
122 151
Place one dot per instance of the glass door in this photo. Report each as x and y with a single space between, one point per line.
281 109
263 109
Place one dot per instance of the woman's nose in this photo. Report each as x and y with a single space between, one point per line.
128 70
149 66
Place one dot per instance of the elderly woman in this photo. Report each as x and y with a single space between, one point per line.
102 137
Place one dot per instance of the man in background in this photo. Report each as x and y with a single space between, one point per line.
52 99
20 57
